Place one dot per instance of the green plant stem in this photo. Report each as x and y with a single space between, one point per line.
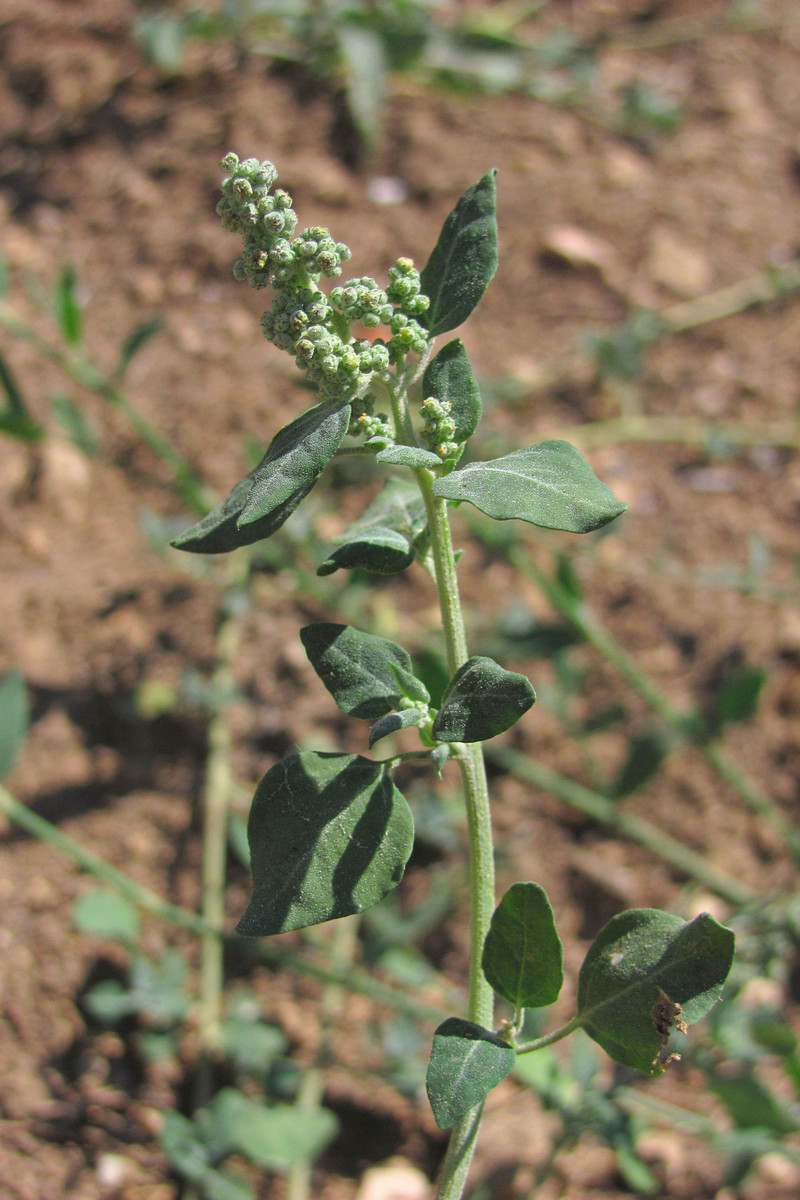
481 851
343 951
591 628
82 370
634 427
216 802
548 1039
352 980
610 813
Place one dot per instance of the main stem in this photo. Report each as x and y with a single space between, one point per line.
481 851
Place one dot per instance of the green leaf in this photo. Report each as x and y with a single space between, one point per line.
640 967
467 1061
158 988
384 539
68 310
295 459
74 423
162 36
16 420
751 1104
449 377
464 259
283 1136
379 550
738 698
394 721
136 339
522 954
550 485
183 1147
293 454
480 701
646 752
109 1001
106 914
14 718
365 80
218 1184
408 456
368 676
251 1044
329 835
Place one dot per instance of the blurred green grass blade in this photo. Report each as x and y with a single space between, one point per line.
14 718
68 309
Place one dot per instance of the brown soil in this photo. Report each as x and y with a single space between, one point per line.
106 164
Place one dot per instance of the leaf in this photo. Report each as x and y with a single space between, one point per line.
482 700
181 1144
106 914
394 721
522 954
75 424
368 676
550 485
218 532
329 835
136 339
467 1061
294 453
464 259
751 1104
283 1136
162 36
408 456
646 753
384 539
68 310
362 52
218 1184
381 551
738 698
449 377
14 719
16 420
295 459
642 965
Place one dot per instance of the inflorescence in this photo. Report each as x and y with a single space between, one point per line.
312 326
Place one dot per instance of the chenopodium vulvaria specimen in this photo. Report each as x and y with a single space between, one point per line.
330 833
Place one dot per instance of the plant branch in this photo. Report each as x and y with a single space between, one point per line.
481 850
639 830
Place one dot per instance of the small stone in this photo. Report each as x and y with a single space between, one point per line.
677 266
578 248
396 1179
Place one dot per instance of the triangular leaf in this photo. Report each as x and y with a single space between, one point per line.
295 458
408 456
394 721
464 259
522 954
645 972
14 718
550 485
368 676
646 752
399 507
329 835
467 1061
381 551
218 532
482 700
449 377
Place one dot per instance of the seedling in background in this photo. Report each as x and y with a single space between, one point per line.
330 833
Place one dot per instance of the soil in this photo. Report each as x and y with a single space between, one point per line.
110 165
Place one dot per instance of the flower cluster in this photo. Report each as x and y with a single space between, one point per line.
314 328
439 428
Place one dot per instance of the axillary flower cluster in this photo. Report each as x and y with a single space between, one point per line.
317 329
